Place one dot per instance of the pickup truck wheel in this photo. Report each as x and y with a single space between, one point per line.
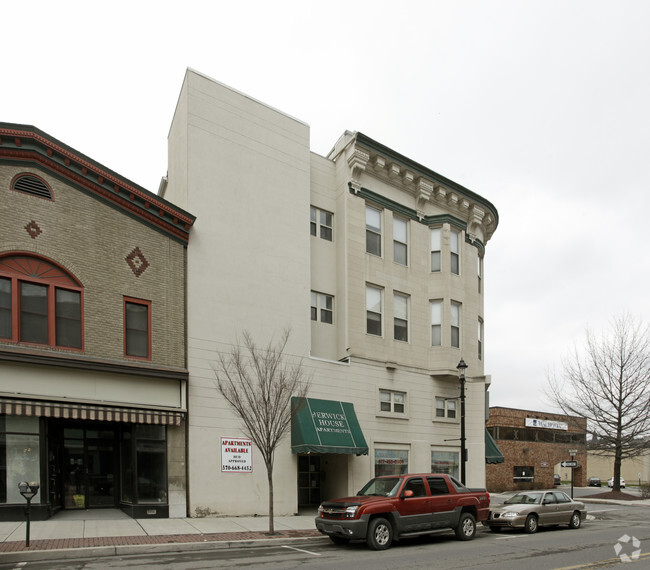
466 528
339 539
530 526
575 520
380 534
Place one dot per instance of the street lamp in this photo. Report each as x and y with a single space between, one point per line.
463 452
28 491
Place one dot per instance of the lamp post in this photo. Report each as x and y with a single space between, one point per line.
463 452
28 491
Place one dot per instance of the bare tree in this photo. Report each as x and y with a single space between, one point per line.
608 383
258 383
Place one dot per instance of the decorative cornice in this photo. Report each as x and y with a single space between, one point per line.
426 186
22 143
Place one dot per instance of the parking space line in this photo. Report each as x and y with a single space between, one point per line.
301 550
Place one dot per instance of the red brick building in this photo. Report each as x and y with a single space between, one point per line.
533 443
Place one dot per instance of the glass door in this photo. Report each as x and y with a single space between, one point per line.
88 470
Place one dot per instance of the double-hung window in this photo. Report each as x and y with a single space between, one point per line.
400 241
455 324
479 272
435 249
40 303
436 323
392 402
320 223
400 317
373 310
322 307
454 250
373 231
137 328
445 408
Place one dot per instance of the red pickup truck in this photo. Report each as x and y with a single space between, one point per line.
399 506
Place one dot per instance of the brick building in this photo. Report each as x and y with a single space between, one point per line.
92 335
533 443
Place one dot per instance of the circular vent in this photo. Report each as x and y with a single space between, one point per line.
33 185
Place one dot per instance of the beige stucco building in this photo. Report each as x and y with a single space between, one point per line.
374 261
92 335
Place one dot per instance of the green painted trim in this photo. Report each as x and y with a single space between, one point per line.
427 173
370 196
387 203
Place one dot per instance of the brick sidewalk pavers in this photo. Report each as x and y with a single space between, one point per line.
60 543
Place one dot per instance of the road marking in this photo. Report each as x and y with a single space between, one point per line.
512 536
600 563
301 550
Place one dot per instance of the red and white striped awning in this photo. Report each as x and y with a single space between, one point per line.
78 411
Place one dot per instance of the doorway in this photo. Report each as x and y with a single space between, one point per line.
88 466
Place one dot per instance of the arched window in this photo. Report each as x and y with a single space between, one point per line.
40 303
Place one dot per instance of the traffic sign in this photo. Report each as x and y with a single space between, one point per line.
571 464
573 452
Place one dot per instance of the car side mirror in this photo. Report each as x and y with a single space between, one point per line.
407 493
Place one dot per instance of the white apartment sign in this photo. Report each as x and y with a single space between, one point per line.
236 455
548 424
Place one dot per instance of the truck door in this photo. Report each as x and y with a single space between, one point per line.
415 509
442 503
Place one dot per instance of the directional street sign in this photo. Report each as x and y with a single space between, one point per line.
569 464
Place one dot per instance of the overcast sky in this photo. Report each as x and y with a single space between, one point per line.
541 107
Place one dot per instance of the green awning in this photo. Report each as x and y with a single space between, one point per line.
492 452
325 426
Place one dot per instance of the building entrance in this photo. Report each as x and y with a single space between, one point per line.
88 466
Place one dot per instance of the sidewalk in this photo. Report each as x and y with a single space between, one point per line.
110 532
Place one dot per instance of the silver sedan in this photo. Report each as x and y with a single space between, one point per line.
532 509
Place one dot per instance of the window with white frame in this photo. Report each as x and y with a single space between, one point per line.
435 249
373 310
400 317
454 249
373 231
455 324
436 323
391 462
320 223
392 402
446 408
322 307
480 339
400 241
445 462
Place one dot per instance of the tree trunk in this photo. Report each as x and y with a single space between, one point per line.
269 472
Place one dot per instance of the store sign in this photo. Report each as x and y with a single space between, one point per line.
236 455
548 424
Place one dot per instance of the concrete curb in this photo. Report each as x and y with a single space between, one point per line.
143 549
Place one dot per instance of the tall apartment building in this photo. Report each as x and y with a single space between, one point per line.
92 335
373 261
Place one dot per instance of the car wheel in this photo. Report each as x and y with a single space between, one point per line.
575 520
339 539
380 534
466 528
530 526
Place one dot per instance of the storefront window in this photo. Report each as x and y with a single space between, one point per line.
445 462
19 456
151 463
391 462
127 467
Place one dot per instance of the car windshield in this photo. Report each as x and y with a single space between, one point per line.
381 487
524 499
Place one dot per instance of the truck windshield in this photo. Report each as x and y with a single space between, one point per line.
381 487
